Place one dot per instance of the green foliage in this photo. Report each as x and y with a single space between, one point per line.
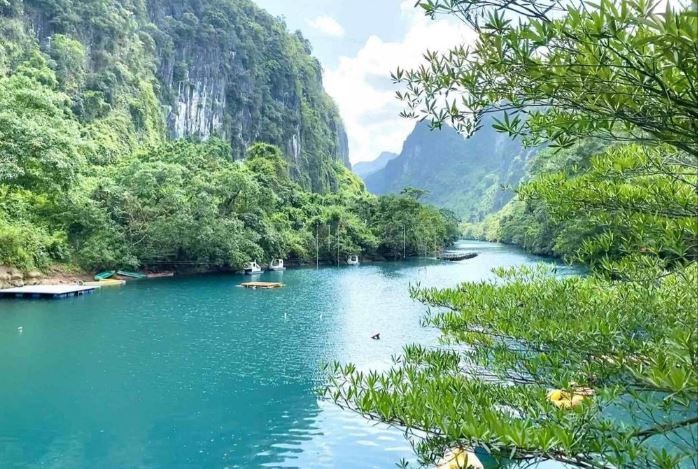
40 143
190 205
616 350
617 70
69 57
528 332
526 221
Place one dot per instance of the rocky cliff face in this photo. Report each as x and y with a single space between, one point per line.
230 69
221 68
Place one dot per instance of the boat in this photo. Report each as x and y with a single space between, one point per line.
252 268
262 285
277 265
105 275
353 260
106 283
126 273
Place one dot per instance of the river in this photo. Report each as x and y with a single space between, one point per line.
198 372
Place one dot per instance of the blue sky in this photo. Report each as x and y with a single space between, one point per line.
359 42
359 19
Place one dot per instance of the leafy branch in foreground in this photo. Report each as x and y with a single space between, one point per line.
526 333
617 70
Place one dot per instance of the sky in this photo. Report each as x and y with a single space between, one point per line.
359 42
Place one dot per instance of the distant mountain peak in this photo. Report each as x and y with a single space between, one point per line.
365 168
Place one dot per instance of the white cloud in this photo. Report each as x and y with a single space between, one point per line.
361 84
327 26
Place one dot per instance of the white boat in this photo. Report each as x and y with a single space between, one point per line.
353 260
252 268
277 265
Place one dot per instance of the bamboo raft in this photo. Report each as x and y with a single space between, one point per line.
456 256
262 285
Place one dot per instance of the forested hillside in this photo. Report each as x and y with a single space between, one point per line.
123 128
528 223
471 176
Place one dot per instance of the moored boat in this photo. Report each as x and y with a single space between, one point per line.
126 273
353 260
105 275
252 268
456 256
277 265
106 283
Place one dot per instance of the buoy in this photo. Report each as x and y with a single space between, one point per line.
376 336
459 459
566 400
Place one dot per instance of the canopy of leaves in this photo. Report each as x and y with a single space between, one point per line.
617 70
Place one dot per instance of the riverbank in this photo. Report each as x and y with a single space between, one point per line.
11 277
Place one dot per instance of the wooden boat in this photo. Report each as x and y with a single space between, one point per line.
105 275
353 260
126 273
277 265
106 283
252 268
262 285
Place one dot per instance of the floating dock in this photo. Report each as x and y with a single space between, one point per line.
456 256
47 291
262 285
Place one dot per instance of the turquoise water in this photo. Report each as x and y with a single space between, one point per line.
197 372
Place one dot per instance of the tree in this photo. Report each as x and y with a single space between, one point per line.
40 143
414 192
617 70
595 371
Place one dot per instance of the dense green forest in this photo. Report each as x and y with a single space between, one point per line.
595 370
105 163
528 222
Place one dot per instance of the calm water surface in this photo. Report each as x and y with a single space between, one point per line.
197 372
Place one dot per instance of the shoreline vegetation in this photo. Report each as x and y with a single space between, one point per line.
142 216
11 277
101 169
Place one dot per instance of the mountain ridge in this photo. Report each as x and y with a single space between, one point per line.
468 176
365 168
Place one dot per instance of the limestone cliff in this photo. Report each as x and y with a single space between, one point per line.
222 68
